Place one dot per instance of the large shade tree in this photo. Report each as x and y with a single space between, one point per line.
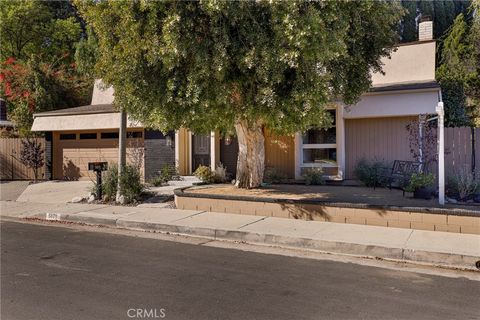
239 65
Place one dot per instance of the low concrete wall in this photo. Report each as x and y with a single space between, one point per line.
396 217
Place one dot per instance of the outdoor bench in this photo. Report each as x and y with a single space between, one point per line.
400 173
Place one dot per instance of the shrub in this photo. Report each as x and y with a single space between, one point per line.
165 174
220 173
32 155
205 174
420 180
109 183
274 176
314 176
372 174
130 181
463 184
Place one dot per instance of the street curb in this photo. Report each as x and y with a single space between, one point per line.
446 260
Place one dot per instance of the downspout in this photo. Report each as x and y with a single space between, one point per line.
421 124
473 152
441 150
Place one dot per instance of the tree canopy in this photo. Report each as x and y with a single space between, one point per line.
34 27
459 71
37 70
247 65
205 65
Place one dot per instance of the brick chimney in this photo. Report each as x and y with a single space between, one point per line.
425 29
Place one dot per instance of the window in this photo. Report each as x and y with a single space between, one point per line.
319 146
134 134
68 136
89 136
109 135
320 136
320 155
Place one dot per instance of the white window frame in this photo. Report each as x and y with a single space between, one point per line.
339 137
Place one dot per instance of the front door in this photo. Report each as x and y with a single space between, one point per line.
200 151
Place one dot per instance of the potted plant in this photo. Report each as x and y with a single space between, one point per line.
421 185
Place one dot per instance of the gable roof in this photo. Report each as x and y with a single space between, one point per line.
89 109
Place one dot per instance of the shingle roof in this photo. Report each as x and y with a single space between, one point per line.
405 86
90 109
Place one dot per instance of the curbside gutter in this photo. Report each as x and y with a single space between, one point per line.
400 254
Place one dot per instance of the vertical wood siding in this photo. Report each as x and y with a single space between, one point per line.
280 153
10 166
458 149
375 139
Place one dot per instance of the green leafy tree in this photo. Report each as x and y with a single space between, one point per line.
458 72
86 53
30 27
239 64
37 70
35 86
409 25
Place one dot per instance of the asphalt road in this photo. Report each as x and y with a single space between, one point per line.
60 273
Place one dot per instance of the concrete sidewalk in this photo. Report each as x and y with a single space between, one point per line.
431 247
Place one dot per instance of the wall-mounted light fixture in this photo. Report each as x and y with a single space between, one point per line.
169 141
228 140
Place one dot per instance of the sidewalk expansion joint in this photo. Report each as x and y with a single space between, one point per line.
252 222
204 243
195 214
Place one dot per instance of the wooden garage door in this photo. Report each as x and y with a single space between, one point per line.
73 151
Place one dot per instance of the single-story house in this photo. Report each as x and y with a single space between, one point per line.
374 128
77 136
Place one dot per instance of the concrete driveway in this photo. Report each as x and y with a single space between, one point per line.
55 191
11 190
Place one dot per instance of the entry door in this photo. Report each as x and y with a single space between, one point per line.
200 151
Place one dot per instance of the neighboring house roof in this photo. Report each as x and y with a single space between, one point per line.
90 109
405 86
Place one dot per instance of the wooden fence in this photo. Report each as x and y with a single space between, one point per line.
459 149
10 166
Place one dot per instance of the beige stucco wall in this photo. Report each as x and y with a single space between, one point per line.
410 63
81 122
391 104
102 94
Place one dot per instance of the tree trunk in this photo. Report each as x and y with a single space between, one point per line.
251 155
